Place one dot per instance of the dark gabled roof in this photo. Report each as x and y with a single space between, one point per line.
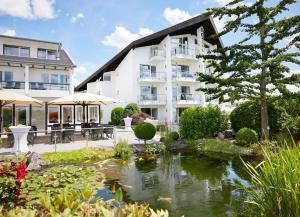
187 27
64 60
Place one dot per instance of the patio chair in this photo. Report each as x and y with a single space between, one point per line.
96 131
109 132
10 139
68 133
32 135
83 128
56 131
17 85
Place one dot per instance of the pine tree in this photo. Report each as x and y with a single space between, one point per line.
255 67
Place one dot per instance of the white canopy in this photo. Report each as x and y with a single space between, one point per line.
84 99
9 97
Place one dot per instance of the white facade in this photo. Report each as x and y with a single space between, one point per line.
159 78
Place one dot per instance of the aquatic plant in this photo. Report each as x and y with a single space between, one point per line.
78 156
122 150
275 188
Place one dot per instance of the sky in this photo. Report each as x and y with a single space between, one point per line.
93 31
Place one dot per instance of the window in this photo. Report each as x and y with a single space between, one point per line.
45 78
64 79
42 53
53 114
54 79
24 52
7 116
7 76
11 50
153 112
67 114
93 114
79 114
107 77
22 113
51 54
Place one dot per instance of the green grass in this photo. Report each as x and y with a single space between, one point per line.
275 186
78 156
219 146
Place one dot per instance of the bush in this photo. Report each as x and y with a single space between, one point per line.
117 116
192 146
174 135
131 109
122 150
246 137
139 118
145 131
199 122
248 115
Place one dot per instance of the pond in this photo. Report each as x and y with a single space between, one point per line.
184 184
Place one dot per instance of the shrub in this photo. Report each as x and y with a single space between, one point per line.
246 137
131 109
174 135
248 115
145 131
122 150
274 188
199 122
139 118
117 116
192 146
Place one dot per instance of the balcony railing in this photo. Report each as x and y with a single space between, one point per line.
187 98
183 76
152 99
184 51
47 86
156 52
12 85
152 77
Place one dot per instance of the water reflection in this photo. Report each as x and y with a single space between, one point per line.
185 185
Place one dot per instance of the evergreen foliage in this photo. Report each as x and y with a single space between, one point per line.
131 109
117 116
254 67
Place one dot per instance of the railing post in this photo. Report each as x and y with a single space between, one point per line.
55 136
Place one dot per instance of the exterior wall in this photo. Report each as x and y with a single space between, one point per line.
126 85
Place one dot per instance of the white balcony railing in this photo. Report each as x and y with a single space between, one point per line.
184 51
152 99
152 77
187 98
183 76
156 52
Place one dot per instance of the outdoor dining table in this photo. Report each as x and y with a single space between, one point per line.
20 138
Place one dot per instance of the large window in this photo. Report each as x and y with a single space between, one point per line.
11 50
46 54
7 116
53 114
79 114
22 115
93 114
6 76
24 52
38 117
153 112
54 79
67 114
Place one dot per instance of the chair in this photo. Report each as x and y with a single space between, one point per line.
10 139
56 133
68 133
17 85
83 128
96 131
109 132
32 135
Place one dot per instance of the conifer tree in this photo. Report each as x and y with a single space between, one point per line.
256 65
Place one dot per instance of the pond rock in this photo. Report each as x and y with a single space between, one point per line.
34 162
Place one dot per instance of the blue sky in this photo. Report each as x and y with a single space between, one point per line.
93 31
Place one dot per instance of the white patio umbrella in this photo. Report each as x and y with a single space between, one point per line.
84 99
8 97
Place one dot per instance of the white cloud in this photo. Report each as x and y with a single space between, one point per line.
8 32
121 37
174 16
28 9
78 16
80 70
222 2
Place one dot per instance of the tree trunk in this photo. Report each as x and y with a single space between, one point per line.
264 123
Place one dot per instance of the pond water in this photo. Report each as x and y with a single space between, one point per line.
184 184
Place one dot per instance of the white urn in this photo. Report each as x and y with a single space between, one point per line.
127 121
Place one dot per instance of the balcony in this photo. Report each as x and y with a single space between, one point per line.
184 77
187 99
48 86
152 99
12 85
156 77
183 53
157 54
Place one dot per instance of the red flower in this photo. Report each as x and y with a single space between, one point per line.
21 171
